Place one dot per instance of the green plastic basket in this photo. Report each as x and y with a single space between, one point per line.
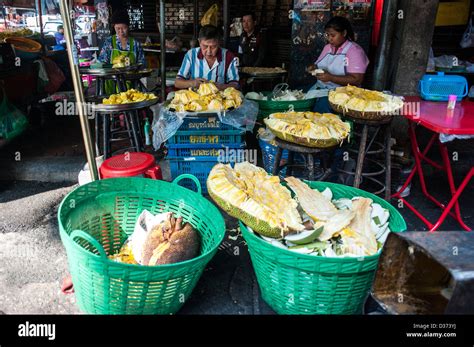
96 219
294 283
267 107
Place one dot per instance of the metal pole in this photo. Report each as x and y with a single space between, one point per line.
163 50
196 19
40 16
226 22
78 92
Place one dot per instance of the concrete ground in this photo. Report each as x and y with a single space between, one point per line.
34 260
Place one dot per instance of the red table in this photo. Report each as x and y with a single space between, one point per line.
436 117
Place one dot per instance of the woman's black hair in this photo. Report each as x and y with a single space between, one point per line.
340 24
120 17
209 32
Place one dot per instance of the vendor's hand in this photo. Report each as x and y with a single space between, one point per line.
324 77
198 81
310 68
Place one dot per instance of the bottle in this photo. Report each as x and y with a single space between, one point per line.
452 102
146 131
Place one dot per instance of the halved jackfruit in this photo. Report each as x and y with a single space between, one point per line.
364 100
248 193
309 128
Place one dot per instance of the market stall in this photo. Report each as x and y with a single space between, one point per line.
314 244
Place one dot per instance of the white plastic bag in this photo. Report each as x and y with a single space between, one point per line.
165 124
243 117
468 37
431 61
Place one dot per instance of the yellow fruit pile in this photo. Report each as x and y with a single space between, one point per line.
308 128
15 33
127 97
364 100
206 98
120 61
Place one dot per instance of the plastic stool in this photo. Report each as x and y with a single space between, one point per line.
130 165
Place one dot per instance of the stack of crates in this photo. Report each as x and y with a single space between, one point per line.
199 144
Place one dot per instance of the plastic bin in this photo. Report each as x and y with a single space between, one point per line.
439 87
204 122
293 283
196 166
208 137
199 150
96 219
267 107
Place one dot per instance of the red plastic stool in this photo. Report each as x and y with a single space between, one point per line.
130 165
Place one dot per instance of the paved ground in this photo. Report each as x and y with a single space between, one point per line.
32 255
34 261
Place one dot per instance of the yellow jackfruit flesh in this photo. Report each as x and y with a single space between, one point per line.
364 100
129 96
247 192
308 127
207 97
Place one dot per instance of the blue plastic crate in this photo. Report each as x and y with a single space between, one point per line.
198 150
197 166
222 137
204 122
439 87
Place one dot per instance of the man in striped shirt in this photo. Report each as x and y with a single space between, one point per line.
208 62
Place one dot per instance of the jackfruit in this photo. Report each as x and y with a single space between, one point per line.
207 98
248 193
207 89
308 128
364 100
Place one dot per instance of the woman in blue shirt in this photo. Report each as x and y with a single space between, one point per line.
120 43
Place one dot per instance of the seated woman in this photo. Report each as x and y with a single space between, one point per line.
208 62
343 61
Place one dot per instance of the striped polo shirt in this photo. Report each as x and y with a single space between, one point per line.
195 66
